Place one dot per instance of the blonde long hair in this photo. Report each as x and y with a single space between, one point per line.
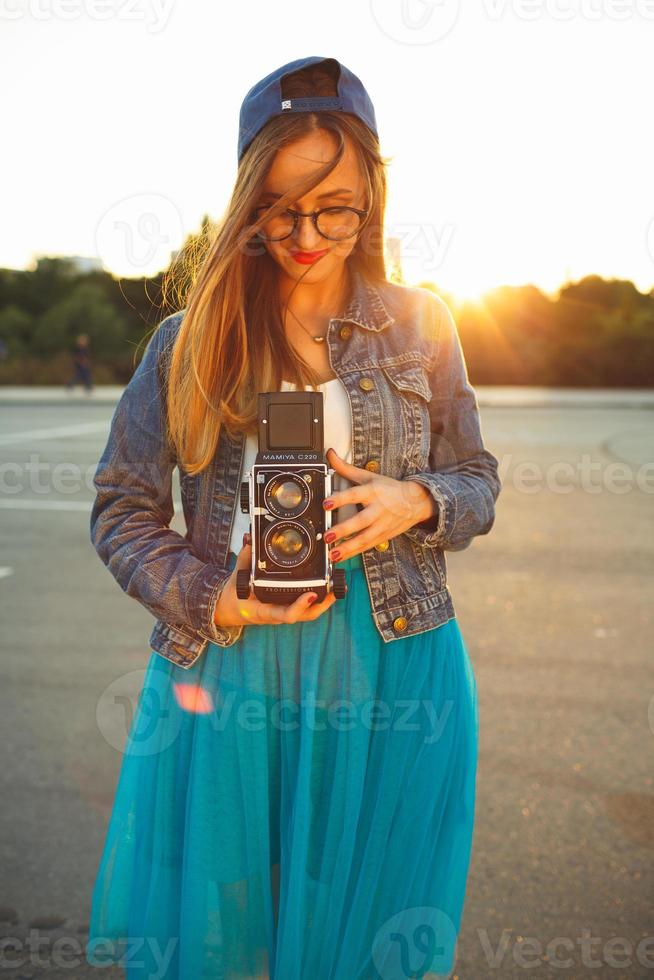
231 343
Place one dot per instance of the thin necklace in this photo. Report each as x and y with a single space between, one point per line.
319 339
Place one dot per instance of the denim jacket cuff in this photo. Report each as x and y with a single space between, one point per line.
445 510
202 598
225 636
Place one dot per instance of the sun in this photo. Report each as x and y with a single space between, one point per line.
472 291
466 288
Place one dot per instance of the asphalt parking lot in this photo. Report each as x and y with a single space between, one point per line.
556 609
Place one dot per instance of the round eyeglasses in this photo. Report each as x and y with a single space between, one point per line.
335 223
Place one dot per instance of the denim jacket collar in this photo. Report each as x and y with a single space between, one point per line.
366 307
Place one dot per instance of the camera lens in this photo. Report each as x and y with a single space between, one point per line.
287 495
287 544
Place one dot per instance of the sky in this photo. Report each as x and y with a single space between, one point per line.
520 131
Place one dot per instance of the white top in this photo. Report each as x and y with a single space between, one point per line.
338 436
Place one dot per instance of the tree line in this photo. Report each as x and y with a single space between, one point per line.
594 332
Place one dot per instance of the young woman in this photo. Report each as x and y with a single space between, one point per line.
296 798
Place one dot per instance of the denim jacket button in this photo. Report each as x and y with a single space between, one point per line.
366 384
345 332
372 465
400 624
382 546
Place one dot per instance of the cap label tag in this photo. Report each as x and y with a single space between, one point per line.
316 103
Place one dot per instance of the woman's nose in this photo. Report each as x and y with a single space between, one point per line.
307 238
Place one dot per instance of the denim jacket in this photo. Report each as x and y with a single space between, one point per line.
414 415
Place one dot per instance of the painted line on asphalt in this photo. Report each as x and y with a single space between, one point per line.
33 435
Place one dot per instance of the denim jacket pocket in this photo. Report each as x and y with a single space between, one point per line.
410 382
409 379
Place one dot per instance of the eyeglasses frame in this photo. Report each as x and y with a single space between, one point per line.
314 217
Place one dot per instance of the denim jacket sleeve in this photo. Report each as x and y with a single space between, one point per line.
133 508
462 476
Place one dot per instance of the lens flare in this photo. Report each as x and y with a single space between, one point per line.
193 698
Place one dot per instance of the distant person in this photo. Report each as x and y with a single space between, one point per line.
82 362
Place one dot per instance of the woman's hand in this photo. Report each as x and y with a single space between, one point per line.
391 507
232 611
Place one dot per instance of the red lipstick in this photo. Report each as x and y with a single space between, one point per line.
306 258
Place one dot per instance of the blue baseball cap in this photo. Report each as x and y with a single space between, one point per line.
264 100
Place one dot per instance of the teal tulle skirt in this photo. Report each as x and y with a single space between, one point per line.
298 806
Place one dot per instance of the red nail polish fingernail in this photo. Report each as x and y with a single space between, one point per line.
328 504
312 598
335 555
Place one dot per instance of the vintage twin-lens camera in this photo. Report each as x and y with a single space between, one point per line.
283 495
